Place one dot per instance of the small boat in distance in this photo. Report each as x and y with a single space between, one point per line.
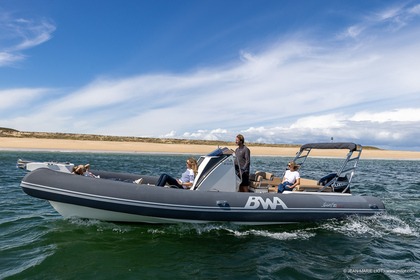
214 196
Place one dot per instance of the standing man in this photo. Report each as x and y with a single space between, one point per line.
243 155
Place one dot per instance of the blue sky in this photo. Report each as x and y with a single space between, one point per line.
276 71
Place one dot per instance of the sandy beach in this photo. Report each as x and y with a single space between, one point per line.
34 144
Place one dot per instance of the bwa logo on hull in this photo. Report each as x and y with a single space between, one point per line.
254 202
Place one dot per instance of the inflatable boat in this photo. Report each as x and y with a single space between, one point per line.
214 196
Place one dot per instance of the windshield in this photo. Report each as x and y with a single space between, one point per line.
220 151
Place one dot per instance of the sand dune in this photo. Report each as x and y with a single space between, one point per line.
19 144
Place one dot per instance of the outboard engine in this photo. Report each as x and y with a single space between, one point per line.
326 179
216 172
341 185
338 184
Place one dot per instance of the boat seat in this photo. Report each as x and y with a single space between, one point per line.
308 185
261 181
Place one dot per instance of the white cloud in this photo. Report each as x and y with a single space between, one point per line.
397 115
415 10
390 19
170 134
21 97
330 121
215 134
354 31
7 58
19 34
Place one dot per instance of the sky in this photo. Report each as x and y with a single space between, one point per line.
276 71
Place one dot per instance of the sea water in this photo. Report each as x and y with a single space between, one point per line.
37 243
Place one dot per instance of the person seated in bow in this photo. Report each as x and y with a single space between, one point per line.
83 170
291 178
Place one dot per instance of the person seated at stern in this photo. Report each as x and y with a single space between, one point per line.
291 178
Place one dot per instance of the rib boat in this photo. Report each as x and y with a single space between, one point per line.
214 196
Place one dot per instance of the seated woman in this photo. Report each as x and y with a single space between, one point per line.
83 170
187 178
291 178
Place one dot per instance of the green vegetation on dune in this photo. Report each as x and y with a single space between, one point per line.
9 132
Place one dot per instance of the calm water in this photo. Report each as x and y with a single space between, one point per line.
37 243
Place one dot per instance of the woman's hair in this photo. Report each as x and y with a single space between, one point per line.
80 169
293 165
193 162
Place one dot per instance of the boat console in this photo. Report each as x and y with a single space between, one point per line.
217 172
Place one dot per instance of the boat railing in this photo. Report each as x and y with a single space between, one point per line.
345 174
